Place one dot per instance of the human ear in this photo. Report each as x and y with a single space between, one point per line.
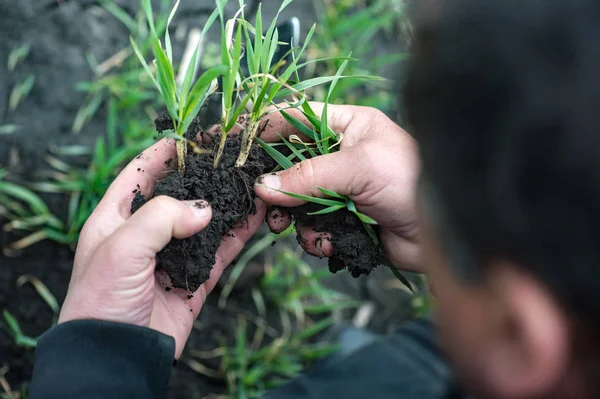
529 350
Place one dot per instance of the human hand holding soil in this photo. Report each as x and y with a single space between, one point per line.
377 167
114 276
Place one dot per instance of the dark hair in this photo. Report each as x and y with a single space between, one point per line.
504 98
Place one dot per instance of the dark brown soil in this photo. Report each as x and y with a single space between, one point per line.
228 189
353 248
230 192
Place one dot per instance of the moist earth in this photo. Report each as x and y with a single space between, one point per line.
228 189
230 192
353 248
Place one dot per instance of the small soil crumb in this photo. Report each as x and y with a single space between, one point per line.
168 289
353 248
228 190
138 200
168 162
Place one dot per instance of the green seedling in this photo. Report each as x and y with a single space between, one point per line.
14 329
351 26
25 210
264 357
7 129
183 103
18 55
20 92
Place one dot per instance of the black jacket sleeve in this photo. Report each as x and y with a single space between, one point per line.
98 359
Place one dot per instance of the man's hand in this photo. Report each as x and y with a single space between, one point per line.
377 167
113 275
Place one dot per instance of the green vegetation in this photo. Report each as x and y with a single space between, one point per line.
128 92
349 26
266 355
11 324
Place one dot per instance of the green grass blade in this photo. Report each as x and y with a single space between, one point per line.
314 329
316 200
12 323
167 36
258 39
20 92
8 129
299 126
186 85
309 83
331 193
29 197
42 291
147 7
198 95
18 55
364 218
293 148
138 53
281 159
121 15
328 210
210 21
166 79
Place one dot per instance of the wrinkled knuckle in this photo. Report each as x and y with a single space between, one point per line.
307 173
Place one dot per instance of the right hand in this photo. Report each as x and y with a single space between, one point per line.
377 167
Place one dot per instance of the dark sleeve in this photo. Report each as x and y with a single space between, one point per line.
406 364
97 359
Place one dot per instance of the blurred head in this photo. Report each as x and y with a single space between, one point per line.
504 98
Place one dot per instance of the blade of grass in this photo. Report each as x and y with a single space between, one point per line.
331 193
139 55
330 209
316 200
281 159
167 36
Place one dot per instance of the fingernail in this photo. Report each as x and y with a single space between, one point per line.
271 181
199 208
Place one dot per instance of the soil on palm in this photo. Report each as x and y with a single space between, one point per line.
228 189
230 192
353 247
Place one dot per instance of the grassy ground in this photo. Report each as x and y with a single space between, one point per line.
276 337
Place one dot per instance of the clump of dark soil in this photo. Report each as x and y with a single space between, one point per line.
353 248
228 189
230 192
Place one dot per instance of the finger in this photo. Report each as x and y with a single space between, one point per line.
132 249
141 174
339 118
315 243
339 172
112 211
278 219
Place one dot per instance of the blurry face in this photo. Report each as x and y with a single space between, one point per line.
464 314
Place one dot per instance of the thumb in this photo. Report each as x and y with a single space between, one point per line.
133 247
336 172
117 284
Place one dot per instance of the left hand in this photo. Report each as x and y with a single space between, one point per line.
113 274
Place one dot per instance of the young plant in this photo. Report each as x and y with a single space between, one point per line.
20 92
182 102
26 211
323 141
268 78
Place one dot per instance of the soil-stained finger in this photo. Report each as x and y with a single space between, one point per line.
278 219
315 243
141 176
